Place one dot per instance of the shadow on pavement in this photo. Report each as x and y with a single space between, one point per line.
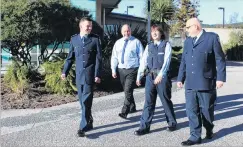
224 132
228 102
158 117
232 63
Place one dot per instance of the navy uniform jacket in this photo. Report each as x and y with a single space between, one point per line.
202 64
88 58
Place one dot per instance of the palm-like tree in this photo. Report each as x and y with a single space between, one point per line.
162 12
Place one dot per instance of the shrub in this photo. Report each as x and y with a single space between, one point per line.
52 73
17 77
233 49
113 33
111 36
174 66
235 53
175 60
108 83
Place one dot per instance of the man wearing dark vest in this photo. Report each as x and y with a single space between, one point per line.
156 61
202 69
85 49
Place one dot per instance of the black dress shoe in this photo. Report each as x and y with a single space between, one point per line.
209 135
133 111
123 115
189 142
89 127
140 132
81 133
171 128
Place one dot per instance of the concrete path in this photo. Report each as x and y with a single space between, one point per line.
57 126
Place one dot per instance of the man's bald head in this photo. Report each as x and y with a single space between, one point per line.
126 31
193 27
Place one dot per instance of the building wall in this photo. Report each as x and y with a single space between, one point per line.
118 21
98 12
224 33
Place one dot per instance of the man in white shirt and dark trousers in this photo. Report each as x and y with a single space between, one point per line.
126 55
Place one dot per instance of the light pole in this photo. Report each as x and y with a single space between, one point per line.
149 22
129 7
222 8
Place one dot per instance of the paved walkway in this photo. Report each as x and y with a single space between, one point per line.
57 126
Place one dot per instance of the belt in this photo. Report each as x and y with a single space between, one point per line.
129 68
151 71
154 71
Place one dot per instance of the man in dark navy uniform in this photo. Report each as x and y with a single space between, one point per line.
85 48
203 69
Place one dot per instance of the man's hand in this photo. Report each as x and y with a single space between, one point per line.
219 84
158 80
179 84
114 75
63 76
138 83
97 80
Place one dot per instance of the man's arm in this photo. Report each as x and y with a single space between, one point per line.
143 64
140 51
114 59
220 60
98 63
69 60
167 59
182 70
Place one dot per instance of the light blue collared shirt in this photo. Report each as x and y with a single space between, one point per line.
132 56
166 64
198 36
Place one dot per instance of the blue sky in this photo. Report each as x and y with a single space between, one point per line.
209 12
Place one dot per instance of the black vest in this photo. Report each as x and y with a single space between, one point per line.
155 58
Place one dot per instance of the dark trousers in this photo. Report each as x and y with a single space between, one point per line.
163 89
85 94
128 81
200 110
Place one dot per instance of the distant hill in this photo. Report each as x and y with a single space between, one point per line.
234 25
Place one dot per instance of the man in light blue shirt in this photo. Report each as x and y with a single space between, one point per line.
126 55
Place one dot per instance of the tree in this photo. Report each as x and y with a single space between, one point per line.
233 18
60 23
48 23
185 10
161 10
19 29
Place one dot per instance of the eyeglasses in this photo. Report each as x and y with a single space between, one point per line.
189 26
